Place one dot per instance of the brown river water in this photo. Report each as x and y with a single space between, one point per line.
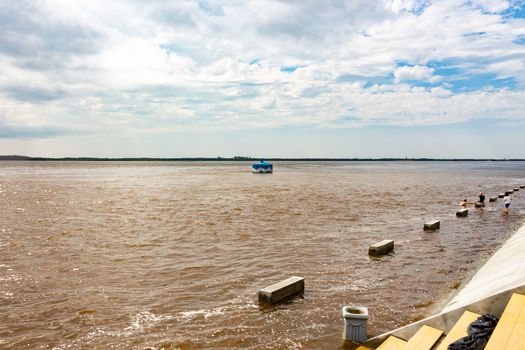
171 255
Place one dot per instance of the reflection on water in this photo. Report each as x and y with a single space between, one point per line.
171 255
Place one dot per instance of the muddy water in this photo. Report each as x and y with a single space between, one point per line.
170 255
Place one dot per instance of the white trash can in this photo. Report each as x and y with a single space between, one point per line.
356 320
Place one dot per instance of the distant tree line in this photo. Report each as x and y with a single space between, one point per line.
243 158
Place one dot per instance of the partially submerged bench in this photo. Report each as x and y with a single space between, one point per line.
282 290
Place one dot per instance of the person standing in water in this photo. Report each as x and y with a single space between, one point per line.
506 200
482 197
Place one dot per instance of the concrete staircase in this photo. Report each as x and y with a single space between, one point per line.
508 335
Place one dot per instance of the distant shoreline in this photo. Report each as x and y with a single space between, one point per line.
244 159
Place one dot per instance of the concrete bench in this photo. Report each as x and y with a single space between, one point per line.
501 195
381 248
516 189
462 213
493 199
432 225
479 204
522 186
282 290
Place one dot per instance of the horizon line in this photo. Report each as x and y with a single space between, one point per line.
247 158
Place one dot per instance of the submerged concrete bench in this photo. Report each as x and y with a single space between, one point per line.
282 290
462 213
381 248
501 195
432 225
493 199
479 204
516 189
522 186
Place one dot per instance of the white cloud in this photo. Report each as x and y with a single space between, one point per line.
414 73
406 5
180 65
508 69
493 6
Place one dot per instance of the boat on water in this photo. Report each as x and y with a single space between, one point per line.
262 167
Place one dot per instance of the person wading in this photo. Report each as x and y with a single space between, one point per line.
482 197
506 201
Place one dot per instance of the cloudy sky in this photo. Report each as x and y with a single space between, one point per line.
297 78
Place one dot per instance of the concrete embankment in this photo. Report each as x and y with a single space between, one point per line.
488 291
505 270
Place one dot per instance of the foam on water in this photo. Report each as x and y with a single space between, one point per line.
144 320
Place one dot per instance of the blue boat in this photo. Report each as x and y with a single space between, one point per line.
262 167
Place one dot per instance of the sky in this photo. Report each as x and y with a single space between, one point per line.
260 78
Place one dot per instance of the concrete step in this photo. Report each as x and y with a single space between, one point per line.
510 331
392 343
424 339
459 330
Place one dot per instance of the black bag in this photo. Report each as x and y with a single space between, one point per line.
478 332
